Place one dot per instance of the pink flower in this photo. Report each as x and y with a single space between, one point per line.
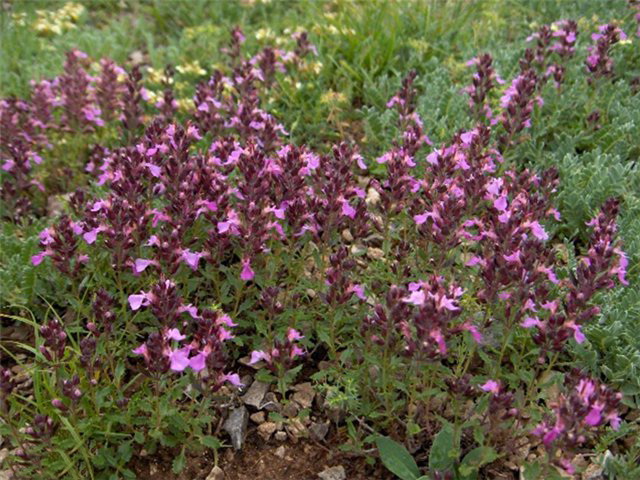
296 352
473 330
247 273
551 436
444 302
513 258
179 359
259 355
155 170
550 274
224 335
551 306
174 334
226 320
37 259
293 335
439 339
141 264
348 210
312 160
500 203
530 305
537 230
494 186
530 322
475 260
358 290
416 298
594 416
491 386
191 310
141 350
198 362
8 165
46 236
621 268
577 332
233 379
91 236
191 258
138 300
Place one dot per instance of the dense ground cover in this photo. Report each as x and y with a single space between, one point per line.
430 211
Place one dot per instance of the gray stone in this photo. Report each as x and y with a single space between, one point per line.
296 430
258 417
280 451
290 410
347 236
255 394
246 381
333 473
319 431
270 403
375 253
216 474
304 394
593 472
266 429
373 197
236 426
280 436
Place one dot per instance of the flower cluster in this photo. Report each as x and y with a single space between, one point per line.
484 80
599 62
586 405
73 102
216 206
282 355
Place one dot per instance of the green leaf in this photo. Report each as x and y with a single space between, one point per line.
211 442
125 451
179 462
444 450
532 471
397 459
138 437
128 474
475 459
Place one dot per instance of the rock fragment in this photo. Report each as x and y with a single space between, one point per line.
255 394
333 473
266 429
304 394
236 426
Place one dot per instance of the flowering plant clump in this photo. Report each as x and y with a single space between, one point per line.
206 241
